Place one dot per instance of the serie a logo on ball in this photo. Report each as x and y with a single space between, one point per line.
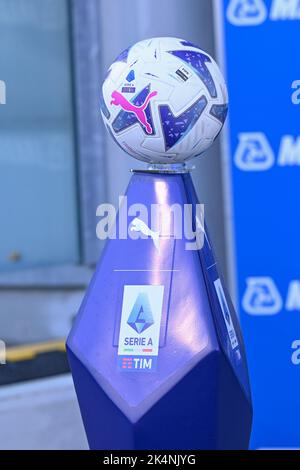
164 100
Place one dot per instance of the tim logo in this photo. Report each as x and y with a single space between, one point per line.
254 152
132 363
2 92
119 100
246 12
261 296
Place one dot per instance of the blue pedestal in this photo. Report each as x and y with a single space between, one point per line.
156 352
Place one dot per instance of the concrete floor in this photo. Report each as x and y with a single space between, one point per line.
41 414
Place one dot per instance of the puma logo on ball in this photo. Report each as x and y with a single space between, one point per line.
119 100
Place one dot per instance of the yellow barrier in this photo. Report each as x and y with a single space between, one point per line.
29 351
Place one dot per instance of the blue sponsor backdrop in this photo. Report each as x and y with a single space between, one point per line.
263 66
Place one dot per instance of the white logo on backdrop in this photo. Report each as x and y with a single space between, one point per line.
296 93
254 12
254 152
295 358
261 296
246 12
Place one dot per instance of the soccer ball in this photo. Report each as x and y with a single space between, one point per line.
164 100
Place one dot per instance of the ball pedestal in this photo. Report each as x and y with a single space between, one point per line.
156 351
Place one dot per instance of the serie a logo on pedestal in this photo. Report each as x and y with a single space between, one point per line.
140 328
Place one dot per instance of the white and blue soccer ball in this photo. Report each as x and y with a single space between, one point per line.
164 100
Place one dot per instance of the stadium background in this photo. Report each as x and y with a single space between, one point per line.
57 165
